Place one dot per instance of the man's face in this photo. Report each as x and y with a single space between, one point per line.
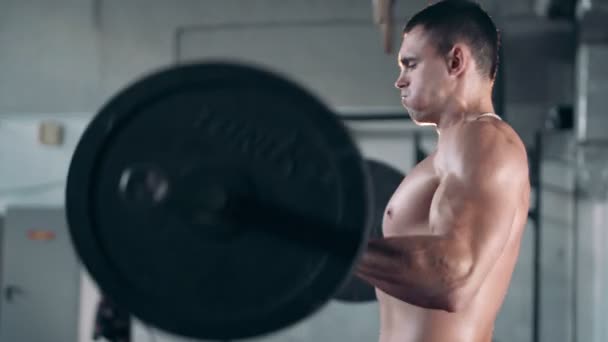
423 81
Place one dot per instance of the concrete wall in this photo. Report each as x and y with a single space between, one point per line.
50 58
63 60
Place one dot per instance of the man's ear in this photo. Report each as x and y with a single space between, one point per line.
457 59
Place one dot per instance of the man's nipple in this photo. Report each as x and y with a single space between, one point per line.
389 212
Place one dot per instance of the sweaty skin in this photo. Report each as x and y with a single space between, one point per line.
453 228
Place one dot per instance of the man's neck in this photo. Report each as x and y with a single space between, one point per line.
461 111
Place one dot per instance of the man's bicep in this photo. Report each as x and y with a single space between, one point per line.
492 217
477 214
488 220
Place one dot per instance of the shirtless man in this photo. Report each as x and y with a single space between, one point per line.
453 227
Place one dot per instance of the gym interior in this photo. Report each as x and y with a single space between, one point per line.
61 61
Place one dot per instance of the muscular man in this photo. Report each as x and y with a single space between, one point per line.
453 227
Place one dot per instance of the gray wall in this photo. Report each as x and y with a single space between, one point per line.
539 71
70 56
62 60
49 61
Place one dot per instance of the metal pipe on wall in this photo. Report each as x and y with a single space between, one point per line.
591 129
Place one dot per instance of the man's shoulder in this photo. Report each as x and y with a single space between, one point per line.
490 136
489 147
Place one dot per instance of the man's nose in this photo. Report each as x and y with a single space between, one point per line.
401 82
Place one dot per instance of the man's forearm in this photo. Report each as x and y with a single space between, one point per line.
420 270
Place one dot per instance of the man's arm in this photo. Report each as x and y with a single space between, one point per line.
475 205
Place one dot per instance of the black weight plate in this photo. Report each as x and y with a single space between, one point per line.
384 181
154 171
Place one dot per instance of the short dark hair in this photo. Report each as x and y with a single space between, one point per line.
452 21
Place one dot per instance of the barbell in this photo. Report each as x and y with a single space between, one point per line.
223 201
